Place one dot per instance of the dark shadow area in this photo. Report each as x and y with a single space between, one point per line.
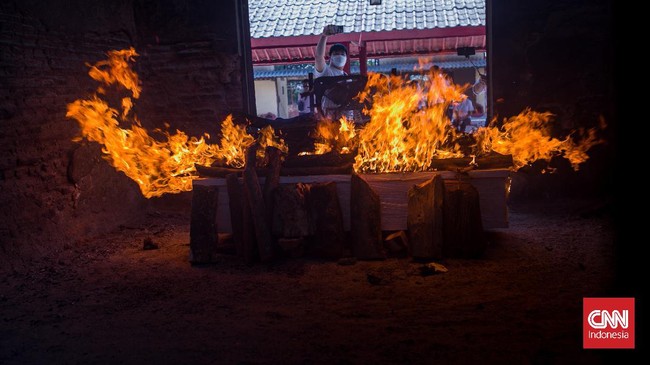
110 300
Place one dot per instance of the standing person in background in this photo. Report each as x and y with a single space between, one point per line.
338 55
304 100
462 111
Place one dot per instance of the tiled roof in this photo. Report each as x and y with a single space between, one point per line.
287 18
384 68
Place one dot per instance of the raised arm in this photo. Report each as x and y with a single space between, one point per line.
320 47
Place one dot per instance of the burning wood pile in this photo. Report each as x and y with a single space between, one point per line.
336 190
330 211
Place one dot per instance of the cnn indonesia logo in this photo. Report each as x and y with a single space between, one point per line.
608 323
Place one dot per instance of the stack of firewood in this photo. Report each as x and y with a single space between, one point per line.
270 220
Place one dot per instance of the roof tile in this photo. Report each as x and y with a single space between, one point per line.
282 18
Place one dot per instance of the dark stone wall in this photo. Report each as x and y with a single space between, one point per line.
189 63
53 190
558 56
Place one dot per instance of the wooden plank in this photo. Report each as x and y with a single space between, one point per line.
217 171
272 180
492 161
327 159
257 206
327 221
236 205
425 219
203 224
491 185
291 219
463 230
249 242
365 210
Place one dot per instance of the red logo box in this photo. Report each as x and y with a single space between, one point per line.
608 323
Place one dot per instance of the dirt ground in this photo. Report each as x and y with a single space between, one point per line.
110 301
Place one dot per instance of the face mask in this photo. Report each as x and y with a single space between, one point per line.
339 60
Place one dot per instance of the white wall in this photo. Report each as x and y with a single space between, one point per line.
481 98
266 98
281 92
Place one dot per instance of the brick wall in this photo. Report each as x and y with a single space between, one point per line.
53 190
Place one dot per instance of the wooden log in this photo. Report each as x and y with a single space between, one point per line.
203 224
317 170
463 230
258 207
214 171
290 218
335 164
272 180
492 161
236 206
326 159
424 219
249 243
327 220
365 220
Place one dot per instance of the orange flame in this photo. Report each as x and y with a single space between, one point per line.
409 127
116 70
408 124
158 167
527 137
267 138
234 142
334 136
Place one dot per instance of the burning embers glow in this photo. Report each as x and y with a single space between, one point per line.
158 166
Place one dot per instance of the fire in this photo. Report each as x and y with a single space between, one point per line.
157 166
408 124
409 127
527 137
335 136
234 142
267 138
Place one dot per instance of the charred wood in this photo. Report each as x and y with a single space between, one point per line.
257 207
215 171
236 206
492 161
365 216
327 221
463 229
326 159
425 219
291 218
272 180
